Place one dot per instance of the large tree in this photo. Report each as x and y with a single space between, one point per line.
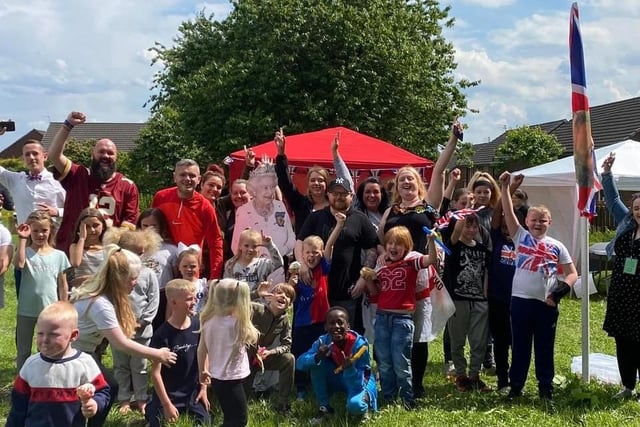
382 67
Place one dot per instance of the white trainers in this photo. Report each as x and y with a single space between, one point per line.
625 393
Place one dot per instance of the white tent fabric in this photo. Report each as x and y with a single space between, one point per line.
554 185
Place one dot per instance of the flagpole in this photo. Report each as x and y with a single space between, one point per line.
584 273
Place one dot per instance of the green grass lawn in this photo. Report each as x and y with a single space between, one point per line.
576 404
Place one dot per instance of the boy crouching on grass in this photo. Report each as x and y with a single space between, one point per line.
177 389
339 361
272 321
59 386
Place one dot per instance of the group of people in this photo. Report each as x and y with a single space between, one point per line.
201 283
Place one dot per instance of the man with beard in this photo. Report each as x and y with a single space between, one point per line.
100 187
190 216
358 234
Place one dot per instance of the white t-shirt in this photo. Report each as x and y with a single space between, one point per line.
5 240
227 360
28 193
536 264
94 316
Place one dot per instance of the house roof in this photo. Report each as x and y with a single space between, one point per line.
610 123
122 134
15 149
484 154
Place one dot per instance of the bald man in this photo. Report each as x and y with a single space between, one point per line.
99 186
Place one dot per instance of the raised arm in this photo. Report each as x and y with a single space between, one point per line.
432 256
56 149
436 186
611 195
333 237
76 249
24 231
454 178
507 205
516 182
342 171
457 231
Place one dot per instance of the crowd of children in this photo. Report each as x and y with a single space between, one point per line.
146 296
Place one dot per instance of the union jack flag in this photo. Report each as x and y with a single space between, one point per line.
537 256
583 147
443 221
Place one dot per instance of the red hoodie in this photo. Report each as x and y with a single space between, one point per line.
192 221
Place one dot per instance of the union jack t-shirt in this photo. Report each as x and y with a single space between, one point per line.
537 262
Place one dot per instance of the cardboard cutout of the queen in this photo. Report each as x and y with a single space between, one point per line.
266 214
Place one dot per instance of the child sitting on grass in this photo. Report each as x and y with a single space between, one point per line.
272 321
46 392
339 361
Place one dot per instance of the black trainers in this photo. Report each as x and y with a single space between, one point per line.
545 394
478 385
463 383
514 394
323 413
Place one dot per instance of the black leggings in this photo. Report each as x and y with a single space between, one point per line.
99 419
419 357
628 355
233 401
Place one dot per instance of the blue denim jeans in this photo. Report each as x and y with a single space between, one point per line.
393 342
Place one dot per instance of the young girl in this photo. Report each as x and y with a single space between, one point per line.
247 265
85 253
225 333
104 311
189 268
396 287
164 261
43 277
131 371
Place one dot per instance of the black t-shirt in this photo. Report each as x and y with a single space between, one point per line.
181 379
358 234
464 271
414 219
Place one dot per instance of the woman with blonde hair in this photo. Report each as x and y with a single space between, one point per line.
104 311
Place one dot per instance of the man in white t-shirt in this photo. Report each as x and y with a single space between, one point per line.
6 252
35 190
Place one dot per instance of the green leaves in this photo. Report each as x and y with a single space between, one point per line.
379 66
526 147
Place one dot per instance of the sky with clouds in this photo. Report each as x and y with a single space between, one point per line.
93 56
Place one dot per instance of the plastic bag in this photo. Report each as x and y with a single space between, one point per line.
442 307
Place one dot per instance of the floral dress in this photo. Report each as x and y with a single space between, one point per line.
622 319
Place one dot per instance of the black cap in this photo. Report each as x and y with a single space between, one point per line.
339 182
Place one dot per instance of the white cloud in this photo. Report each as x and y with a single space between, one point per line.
87 55
524 65
487 3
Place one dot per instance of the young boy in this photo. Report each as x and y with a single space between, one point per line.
465 275
272 321
176 389
46 390
536 293
339 361
312 299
